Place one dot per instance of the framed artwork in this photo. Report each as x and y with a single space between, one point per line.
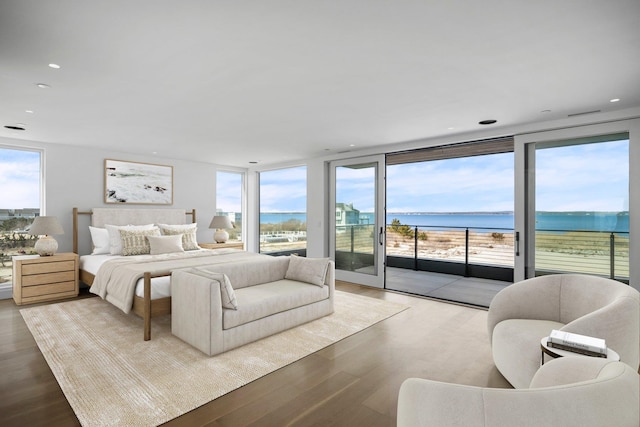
137 183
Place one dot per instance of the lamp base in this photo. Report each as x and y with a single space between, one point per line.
220 236
46 246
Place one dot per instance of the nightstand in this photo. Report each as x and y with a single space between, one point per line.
47 278
233 245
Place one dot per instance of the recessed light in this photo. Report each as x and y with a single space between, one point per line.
28 111
56 66
614 100
545 111
14 127
352 145
450 128
487 122
43 85
253 163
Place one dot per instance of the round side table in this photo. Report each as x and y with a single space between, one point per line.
557 352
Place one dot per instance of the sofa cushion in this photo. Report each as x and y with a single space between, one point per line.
227 294
309 270
259 301
516 348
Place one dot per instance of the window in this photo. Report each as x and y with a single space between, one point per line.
582 206
229 197
20 180
283 211
461 207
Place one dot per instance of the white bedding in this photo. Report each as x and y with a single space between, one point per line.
160 286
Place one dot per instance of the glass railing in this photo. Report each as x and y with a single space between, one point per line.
603 253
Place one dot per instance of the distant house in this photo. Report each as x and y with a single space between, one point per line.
346 214
19 213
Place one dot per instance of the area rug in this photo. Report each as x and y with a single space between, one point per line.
110 376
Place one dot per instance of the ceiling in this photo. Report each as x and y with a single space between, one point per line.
233 82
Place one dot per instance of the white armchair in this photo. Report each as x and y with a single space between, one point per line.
570 391
522 313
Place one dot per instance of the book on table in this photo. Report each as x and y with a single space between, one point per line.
577 343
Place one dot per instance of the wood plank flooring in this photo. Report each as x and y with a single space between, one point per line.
353 382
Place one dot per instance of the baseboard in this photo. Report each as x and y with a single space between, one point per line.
6 291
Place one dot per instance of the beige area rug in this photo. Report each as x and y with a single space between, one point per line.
110 376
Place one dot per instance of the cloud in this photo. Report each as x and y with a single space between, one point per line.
284 190
19 179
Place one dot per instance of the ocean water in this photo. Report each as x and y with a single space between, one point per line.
548 221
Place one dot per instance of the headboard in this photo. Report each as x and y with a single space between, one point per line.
125 216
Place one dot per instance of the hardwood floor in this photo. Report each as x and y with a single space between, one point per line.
353 382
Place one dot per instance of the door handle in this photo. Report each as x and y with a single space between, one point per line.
380 236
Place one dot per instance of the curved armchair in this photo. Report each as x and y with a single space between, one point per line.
526 311
570 391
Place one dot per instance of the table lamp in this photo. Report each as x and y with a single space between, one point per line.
45 226
220 222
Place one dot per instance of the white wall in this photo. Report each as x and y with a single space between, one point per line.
74 177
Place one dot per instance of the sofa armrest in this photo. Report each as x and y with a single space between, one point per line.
423 403
618 324
193 323
606 394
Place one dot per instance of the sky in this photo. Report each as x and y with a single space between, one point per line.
19 179
567 179
229 191
284 190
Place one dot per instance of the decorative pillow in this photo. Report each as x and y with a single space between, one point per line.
100 240
115 240
134 242
188 231
309 270
227 294
165 244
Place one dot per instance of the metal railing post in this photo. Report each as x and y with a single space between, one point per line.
612 256
466 252
415 249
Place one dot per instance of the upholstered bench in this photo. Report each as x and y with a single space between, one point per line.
222 307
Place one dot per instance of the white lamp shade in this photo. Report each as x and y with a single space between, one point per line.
45 226
221 221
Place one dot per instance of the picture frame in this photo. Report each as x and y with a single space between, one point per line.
137 183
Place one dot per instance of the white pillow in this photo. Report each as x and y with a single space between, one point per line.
165 244
309 270
100 240
115 240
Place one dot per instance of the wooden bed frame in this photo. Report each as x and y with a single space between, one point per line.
144 306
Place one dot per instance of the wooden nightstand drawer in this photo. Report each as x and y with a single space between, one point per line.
43 279
54 288
48 267
37 279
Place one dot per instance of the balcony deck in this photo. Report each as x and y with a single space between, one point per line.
467 290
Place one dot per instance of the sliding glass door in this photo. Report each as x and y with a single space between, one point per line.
358 225
578 209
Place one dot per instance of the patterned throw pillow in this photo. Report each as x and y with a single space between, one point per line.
188 231
134 242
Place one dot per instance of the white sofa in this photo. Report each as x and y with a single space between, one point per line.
567 392
523 313
271 294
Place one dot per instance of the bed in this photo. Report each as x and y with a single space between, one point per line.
147 288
